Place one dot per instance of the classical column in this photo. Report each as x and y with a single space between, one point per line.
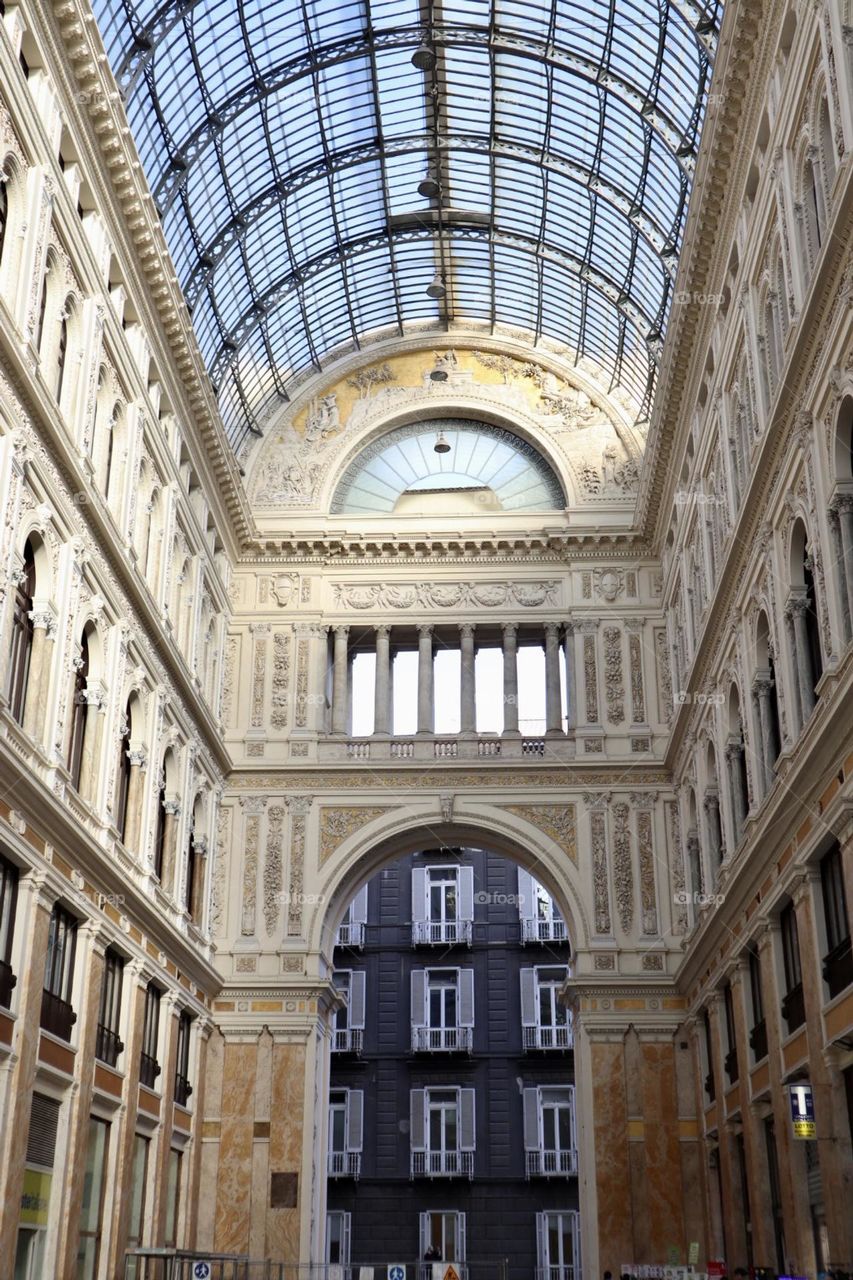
171 813
553 710
569 651
734 751
92 738
762 688
426 708
510 653
694 862
382 688
468 698
841 528
195 905
135 793
38 679
340 672
715 831
797 608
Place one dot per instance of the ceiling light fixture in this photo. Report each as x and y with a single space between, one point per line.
441 445
428 187
436 288
424 58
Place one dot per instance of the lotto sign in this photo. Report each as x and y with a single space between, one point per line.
802 1111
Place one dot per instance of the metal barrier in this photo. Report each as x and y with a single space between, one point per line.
183 1264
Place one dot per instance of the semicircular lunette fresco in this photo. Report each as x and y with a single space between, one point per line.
598 454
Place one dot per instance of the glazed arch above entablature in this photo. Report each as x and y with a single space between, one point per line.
556 416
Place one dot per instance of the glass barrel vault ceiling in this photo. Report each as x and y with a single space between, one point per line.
284 142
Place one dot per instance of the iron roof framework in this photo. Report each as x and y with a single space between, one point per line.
284 144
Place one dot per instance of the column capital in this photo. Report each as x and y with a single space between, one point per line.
425 629
509 629
341 629
467 629
383 629
552 630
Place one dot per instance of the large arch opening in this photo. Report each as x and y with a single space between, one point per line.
451 1081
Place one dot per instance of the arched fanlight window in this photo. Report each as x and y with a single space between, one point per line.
22 634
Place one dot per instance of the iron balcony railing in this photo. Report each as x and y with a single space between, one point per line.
7 984
350 935
561 1271
543 931
548 1037
344 1164
108 1045
149 1070
347 1039
57 1016
443 1164
442 1039
183 1089
552 1164
438 932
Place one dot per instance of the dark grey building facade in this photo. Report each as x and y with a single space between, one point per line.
452 1120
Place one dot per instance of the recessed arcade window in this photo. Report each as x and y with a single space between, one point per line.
449 466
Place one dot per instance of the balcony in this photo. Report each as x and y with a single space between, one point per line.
344 1164
442 1039
149 1070
108 1046
731 1066
57 1016
559 1272
442 1164
435 933
838 968
183 1089
7 984
347 1039
350 935
758 1040
552 1164
377 750
544 931
794 1008
548 1037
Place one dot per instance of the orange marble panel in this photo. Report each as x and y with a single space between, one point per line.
838 1021
759 1079
56 1055
108 1081
796 1050
733 1099
610 1142
7 1028
234 1181
149 1101
181 1119
663 1156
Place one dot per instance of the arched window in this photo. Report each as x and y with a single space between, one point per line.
39 334
79 712
4 212
160 829
22 635
61 356
736 760
766 698
124 770
192 869
815 658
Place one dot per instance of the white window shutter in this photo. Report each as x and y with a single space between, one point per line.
419 894
526 895
576 1241
466 997
460 1238
417 1119
467 1140
358 909
356 999
531 1119
345 1239
466 893
355 1119
424 1234
542 1239
419 991
573 1116
528 997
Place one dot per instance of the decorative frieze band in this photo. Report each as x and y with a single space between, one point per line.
446 595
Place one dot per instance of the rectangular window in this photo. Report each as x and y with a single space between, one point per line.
557 1245
337 1238
793 1006
442 1233
442 1132
710 1082
346 1124
92 1212
538 914
442 1010
758 1032
149 1067
8 909
36 1193
351 929
838 961
442 905
108 1046
138 1190
348 1032
549 1131
57 1015
173 1197
183 1088
731 1037
546 1023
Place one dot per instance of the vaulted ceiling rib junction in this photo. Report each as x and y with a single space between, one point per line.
286 145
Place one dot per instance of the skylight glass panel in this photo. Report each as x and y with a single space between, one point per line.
284 145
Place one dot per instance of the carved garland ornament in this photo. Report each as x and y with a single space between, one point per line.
676 862
664 675
601 891
227 699
445 595
623 874
556 820
259 667
647 872
590 674
638 699
298 807
280 679
339 822
273 868
614 689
